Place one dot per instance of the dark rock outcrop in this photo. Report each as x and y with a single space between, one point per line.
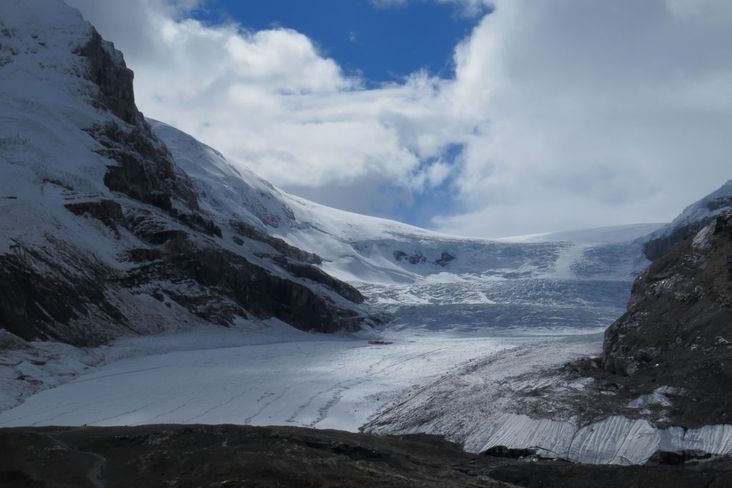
242 229
419 258
257 290
48 293
444 259
106 211
145 169
316 275
675 458
416 258
509 452
677 330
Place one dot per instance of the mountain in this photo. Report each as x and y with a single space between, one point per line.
102 232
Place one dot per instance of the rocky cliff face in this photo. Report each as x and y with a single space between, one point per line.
107 70
102 233
677 330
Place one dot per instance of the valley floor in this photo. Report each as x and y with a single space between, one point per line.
273 376
480 363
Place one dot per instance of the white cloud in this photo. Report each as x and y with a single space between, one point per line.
570 113
598 113
269 99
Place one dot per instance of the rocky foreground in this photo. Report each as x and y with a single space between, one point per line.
237 456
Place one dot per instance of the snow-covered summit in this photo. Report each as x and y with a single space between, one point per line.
40 44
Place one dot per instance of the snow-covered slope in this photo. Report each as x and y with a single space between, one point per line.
354 247
424 279
363 249
693 218
711 205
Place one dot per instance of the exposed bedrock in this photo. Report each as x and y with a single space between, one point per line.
52 293
255 289
107 70
677 330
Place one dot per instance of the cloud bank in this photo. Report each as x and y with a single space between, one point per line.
566 114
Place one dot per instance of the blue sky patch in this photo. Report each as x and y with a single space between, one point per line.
381 44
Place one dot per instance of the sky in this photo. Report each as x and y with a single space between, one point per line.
379 44
473 117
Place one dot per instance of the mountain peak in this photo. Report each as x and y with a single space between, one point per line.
101 232
49 52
